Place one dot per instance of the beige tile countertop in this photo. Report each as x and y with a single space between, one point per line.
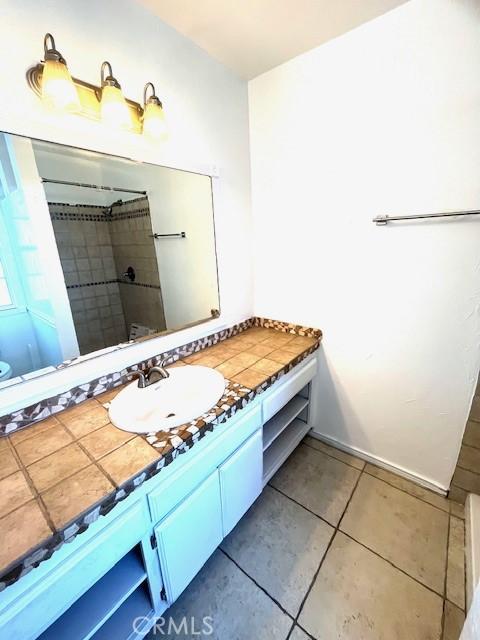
63 466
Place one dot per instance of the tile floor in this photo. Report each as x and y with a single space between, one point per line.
334 549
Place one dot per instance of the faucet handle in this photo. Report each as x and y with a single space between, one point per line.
163 372
142 380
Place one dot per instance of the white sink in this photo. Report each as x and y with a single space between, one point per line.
188 392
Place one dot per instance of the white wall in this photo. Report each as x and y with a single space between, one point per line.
207 111
385 119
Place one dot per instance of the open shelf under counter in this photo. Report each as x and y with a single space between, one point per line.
282 447
102 602
281 420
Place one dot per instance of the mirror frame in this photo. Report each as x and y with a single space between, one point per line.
212 323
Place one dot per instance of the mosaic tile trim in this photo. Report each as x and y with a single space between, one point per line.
114 281
22 418
105 216
169 445
287 327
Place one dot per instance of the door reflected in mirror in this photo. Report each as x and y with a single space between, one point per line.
97 250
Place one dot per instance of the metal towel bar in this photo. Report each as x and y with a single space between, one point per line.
383 220
182 234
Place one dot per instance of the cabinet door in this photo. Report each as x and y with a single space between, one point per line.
188 536
241 480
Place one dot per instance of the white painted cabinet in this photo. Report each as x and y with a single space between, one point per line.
188 536
241 480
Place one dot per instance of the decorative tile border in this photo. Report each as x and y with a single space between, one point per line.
114 281
22 418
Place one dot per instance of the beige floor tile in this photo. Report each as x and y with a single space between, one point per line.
57 466
86 421
456 494
75 494
238 609
466 480
359 596
129 460
21 530
456 563
14 491
43 444
335 453
457 510
317 481
103 440
284 565
402 529
410 487
453 623
298 634
471 437
469 458
475 409
9 464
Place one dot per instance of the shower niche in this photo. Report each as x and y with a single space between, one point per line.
97 251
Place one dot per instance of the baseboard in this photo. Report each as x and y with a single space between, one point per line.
380 462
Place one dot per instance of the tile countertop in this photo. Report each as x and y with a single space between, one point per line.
60 474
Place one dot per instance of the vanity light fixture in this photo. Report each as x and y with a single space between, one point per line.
113 106
52 82
58 90
154 124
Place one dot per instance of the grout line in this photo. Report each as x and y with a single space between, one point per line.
354 539
256 583
447 511
334 457
445 578
302 604
392 564
301 505
98 467
36 495
364 470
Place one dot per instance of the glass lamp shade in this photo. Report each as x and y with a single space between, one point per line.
58 90
154 124
114 109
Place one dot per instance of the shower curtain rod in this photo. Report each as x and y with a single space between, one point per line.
92 186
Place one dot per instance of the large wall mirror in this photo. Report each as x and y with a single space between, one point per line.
97 250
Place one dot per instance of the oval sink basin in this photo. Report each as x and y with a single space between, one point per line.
188 392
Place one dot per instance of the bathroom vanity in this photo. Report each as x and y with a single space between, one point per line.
132 554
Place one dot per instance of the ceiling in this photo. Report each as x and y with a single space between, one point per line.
253 36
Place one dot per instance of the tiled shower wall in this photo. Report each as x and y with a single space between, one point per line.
83 238
96 245
133 245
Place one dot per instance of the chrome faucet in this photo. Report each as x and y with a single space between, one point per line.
145 379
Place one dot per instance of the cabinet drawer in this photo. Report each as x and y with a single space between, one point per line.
287 389
189 535
38 606
241 481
